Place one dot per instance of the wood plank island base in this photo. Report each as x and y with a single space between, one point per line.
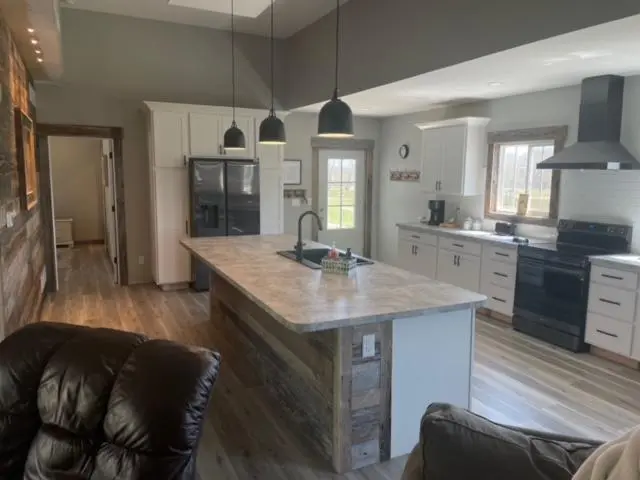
351 362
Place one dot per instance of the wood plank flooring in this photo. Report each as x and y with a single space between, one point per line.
517 380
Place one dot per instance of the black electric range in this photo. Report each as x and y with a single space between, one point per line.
552 282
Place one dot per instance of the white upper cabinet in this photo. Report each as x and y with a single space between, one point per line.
204 134
247 125
453 156
170 134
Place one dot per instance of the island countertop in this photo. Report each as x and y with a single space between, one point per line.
307 300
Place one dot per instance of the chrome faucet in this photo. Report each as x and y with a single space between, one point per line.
299 245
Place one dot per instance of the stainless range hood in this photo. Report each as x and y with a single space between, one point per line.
598 146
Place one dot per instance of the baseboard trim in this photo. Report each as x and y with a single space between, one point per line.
495 315
615 357
172 287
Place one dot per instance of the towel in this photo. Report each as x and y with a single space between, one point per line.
618 459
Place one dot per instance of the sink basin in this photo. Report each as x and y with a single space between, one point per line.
312 257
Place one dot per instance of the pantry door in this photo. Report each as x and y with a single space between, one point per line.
342 198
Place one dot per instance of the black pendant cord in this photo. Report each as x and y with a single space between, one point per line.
273 73
233 67
335 93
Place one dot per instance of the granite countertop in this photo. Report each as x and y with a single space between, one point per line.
307 300
623 261
477 235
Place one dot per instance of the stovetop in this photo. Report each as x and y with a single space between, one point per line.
578 240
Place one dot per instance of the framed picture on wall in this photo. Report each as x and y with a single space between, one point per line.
26 152
292 171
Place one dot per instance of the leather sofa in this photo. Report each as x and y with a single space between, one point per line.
78 402
457 444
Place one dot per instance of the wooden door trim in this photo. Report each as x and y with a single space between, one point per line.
367 146
46 130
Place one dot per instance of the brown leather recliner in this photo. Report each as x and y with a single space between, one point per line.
77 402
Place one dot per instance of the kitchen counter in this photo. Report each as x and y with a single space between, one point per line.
623 261
350 361
306 300
478 235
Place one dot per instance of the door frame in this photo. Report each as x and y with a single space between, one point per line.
320 143
43 132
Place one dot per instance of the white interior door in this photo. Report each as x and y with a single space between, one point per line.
341 198
110 206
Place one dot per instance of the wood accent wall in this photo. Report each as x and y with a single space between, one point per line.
21 245
337 402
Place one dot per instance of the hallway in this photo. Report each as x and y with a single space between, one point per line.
517 380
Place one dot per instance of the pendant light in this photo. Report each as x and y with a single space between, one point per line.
272 128
335 119
233 137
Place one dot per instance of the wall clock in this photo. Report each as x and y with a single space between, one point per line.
404 151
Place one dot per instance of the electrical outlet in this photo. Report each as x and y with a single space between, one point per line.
369 345
141 260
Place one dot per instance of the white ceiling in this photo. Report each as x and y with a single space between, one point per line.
555 62
290 15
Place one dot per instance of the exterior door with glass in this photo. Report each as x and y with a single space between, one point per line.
341 198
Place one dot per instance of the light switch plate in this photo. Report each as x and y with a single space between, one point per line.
369 345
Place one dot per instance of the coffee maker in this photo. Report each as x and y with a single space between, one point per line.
437 212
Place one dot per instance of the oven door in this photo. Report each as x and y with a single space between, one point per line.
554 294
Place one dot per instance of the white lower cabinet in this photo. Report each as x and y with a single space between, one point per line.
608 333
460 269
418 258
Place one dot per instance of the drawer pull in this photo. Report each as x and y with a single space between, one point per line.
612 277
415 236
500 254
499 300
459 245
606 333
503 275
610 302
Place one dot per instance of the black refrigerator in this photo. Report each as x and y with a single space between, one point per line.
224 201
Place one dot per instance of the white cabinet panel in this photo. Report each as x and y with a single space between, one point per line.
171 207
170 133
269 156
418 258
499 273
614 278
459 269
271 201
453 160
612 302
204 134
431 159
610 334
499 299
419 237
456 244
247 125
499 254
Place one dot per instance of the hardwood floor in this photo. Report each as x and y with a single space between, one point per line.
517 380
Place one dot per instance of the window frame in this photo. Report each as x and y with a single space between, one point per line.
342 205
556 134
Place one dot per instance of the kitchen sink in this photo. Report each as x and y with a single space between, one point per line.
312 257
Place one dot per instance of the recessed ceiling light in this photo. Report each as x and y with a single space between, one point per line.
34 41
38 51
40 60
589 54
495 84
552 61
30 30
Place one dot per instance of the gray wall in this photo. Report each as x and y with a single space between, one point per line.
113 63
385 41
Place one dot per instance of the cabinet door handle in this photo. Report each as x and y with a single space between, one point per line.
436 186
503 275
186 227
500 254
416 247
499 300
415 236
454 259
606 333
612 277
610 302
459 245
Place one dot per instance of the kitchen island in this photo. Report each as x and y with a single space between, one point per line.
351 361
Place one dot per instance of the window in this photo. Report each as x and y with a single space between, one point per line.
512 176
341 194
